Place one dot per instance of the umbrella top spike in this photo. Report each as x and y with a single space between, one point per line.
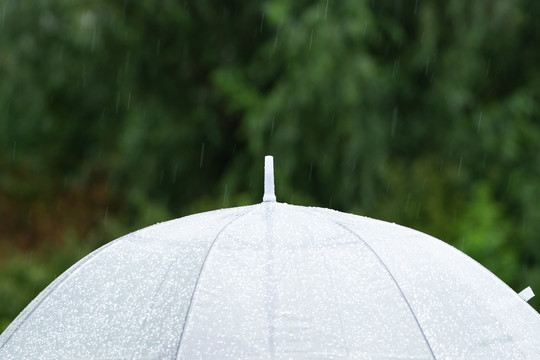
269 195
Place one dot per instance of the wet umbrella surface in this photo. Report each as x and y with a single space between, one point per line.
274 280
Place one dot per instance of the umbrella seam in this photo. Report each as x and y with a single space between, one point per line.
389 273
75 268
188 311
270 306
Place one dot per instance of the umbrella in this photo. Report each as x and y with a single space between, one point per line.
274 280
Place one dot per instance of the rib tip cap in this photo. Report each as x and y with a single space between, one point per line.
526 294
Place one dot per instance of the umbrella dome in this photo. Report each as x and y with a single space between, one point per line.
274 280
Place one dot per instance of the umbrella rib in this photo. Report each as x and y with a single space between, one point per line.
391 276
188 311
156 292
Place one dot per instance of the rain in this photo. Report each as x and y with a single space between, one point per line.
422 114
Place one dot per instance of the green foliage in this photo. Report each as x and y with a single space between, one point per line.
115 115
485 234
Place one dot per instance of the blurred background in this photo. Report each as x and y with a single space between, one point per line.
115 115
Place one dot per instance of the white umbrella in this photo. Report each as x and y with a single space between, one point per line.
274 280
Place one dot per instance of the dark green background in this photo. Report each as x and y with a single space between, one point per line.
117 114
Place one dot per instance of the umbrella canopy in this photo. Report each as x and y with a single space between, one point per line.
274 280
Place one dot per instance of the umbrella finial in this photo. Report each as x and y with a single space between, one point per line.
269 179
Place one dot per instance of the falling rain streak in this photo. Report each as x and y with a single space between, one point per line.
93 45
83 76
394 123
276 39
3 16
479 123
326 10
202 155
225 196
127 61
408 201
128 101
396 68
117 108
